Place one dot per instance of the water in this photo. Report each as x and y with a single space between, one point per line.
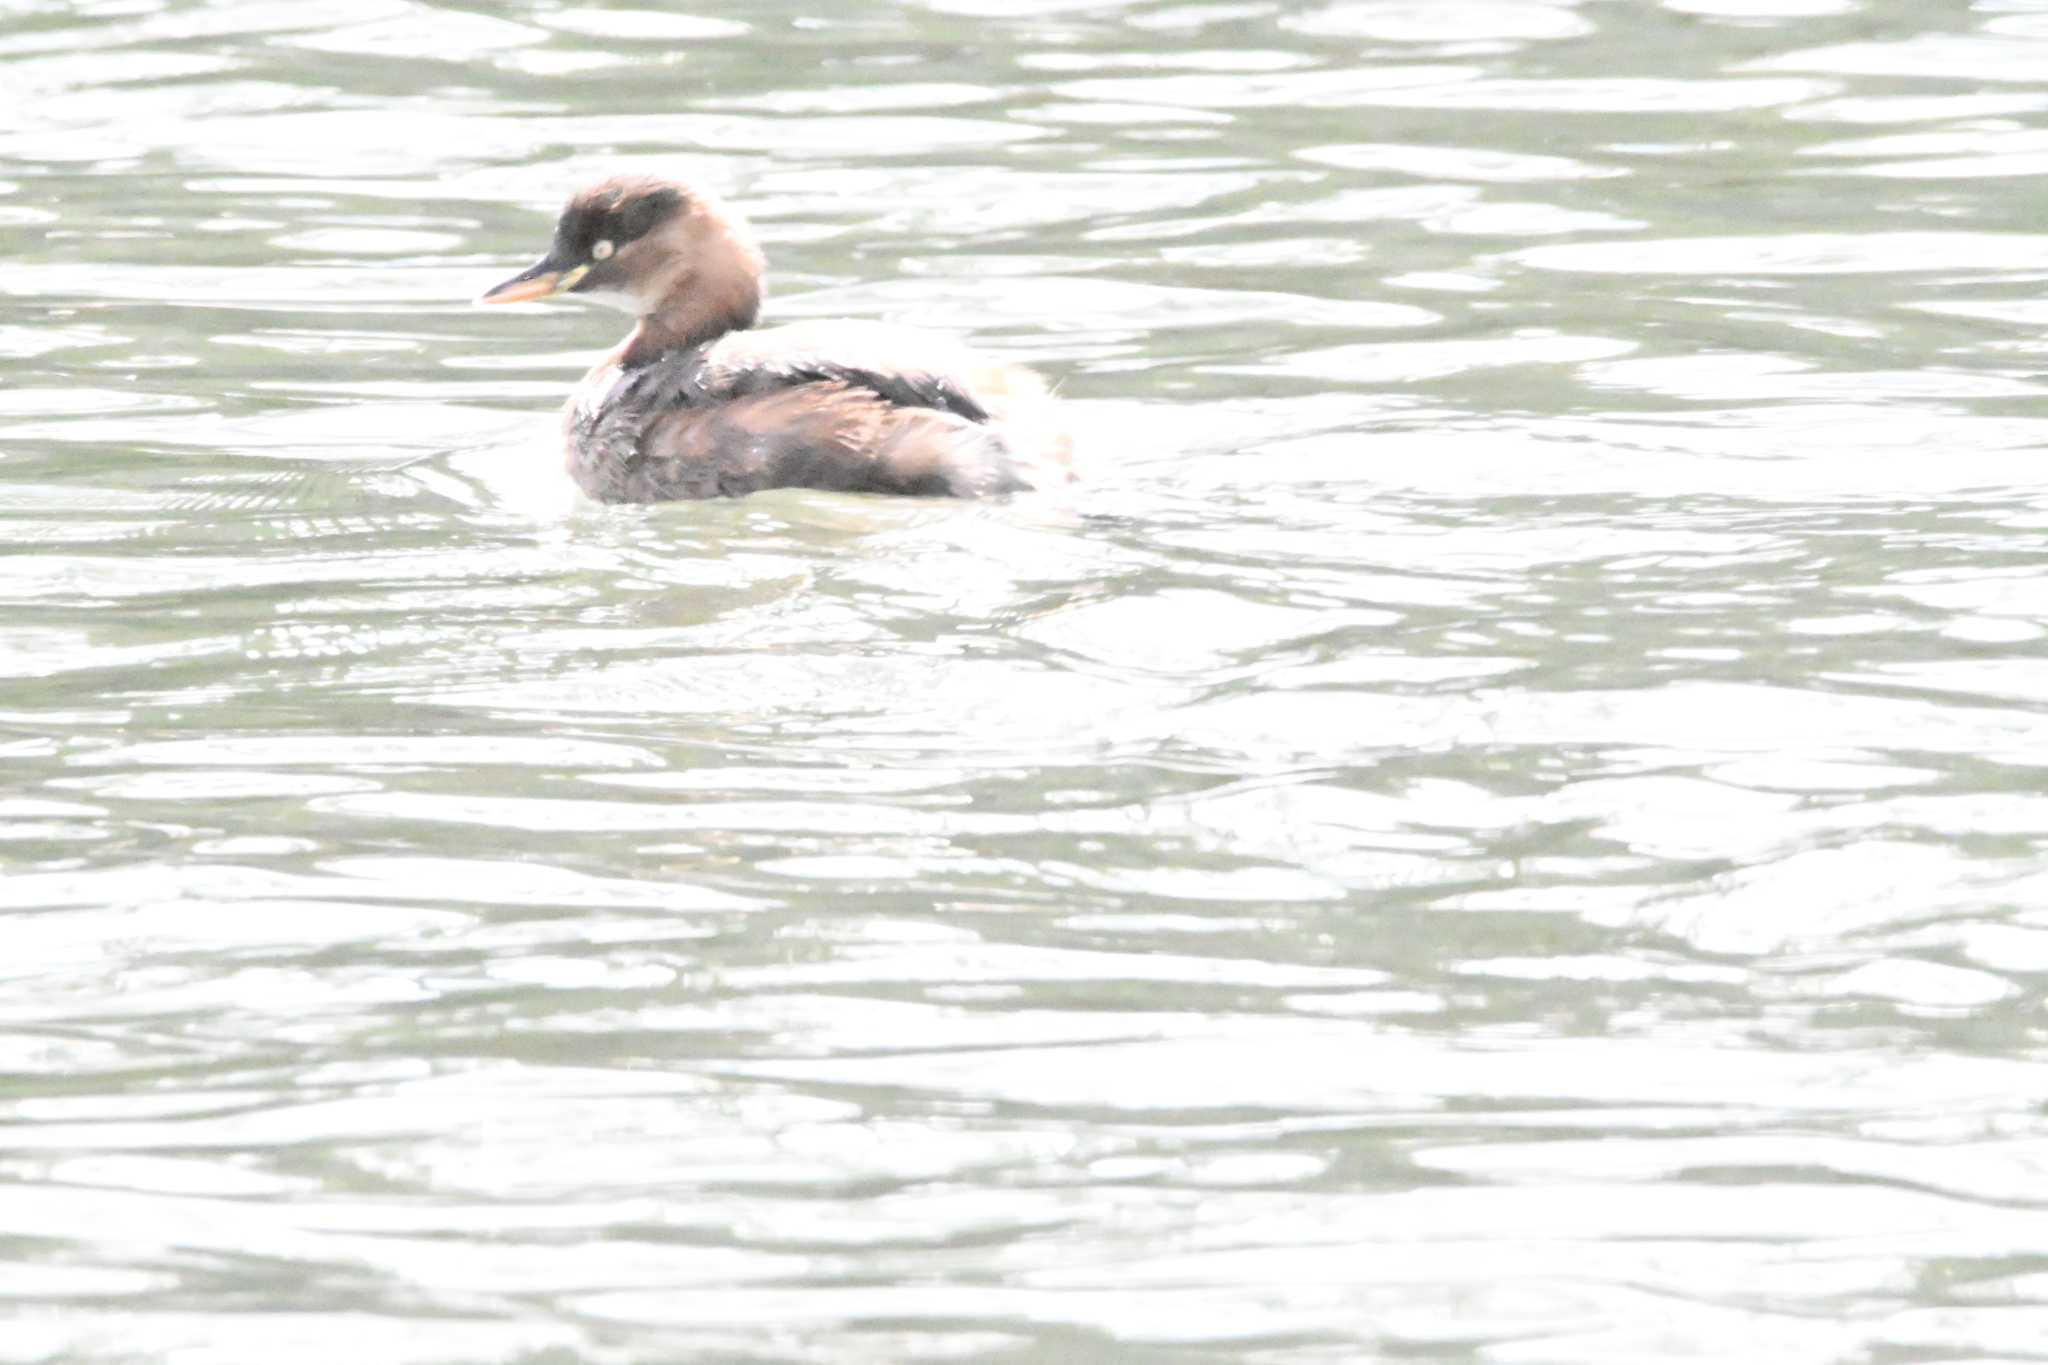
1505 823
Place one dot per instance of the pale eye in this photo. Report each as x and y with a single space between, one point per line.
602 251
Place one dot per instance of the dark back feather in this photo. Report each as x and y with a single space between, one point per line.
750 410
826 434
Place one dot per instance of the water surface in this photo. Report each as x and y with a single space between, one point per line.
1504 823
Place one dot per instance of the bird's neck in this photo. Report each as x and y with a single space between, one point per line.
716 297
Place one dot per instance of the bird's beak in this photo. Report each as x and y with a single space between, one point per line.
535 282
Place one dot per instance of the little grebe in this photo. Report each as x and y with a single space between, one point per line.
697 403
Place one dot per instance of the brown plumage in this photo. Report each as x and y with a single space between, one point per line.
698 403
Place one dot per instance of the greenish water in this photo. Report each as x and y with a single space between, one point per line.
1505 823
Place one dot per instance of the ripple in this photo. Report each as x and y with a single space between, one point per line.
1445 21
1294 1072
1612 95
1798 254
1408 362
372 751
1462 163
642 25
1972 57
416 32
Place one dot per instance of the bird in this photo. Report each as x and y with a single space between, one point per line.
700 402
